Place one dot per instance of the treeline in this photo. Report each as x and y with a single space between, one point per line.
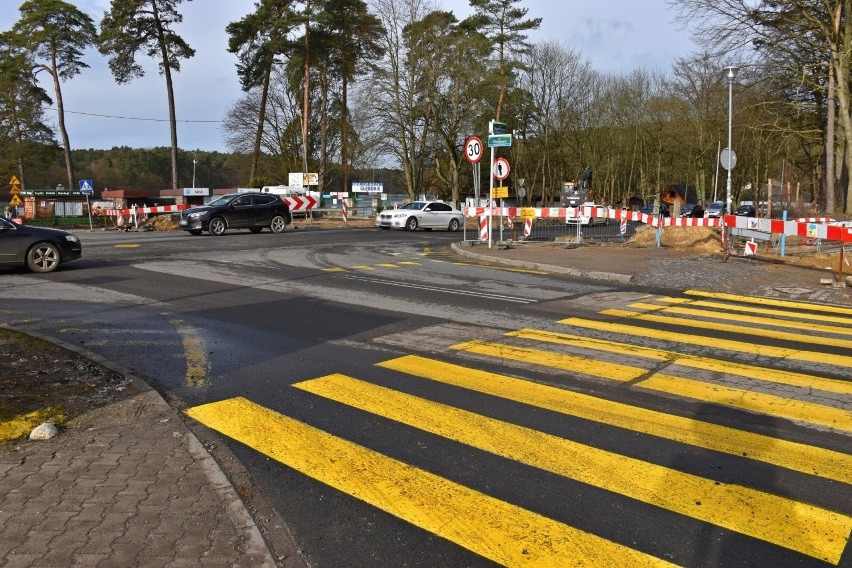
344 88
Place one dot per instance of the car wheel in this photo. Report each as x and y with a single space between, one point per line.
217 226
411 224
255 229
454 225
43 257
278 224
195 232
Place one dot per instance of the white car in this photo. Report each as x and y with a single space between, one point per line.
600 216
715 210
426 215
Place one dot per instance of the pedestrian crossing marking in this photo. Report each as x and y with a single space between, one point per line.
766 374
584 365
768 404
804 306
499 531
743 318
749 348
757 310
759 332
748 511
790 455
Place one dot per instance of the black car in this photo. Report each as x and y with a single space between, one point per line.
663 210
41 249
252 211
746 211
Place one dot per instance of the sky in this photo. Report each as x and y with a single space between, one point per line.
616 36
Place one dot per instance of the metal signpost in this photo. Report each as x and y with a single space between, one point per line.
497 137
87 189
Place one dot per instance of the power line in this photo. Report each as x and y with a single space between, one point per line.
138 118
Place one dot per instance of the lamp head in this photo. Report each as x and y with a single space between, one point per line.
731 72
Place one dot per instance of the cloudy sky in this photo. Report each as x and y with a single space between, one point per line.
615 35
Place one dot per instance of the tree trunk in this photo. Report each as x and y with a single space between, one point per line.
167 71
60 111
261 117
344 133
306 100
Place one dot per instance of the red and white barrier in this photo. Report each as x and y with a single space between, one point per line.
483 228
343 210
792 228
528 226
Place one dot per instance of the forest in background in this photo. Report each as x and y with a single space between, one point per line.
389 90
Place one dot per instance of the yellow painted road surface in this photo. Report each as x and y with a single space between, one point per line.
511 535
496 530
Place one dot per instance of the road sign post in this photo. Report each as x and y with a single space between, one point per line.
87 189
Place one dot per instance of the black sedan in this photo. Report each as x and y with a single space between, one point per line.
252 211
41 249
746 211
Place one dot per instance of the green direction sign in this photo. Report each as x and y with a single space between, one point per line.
497 127
498 140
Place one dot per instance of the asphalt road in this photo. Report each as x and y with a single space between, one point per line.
398 405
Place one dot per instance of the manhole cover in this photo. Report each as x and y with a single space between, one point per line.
794 290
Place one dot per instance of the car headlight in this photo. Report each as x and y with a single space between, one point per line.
396 215
197 214
72 238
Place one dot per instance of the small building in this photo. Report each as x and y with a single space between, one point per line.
51 203
682 194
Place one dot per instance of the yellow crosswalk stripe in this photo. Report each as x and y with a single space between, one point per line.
804 306
584 365
712 342
765 374
758 332
790 455
761 515
743 318
772 405
731 307
496 530
768 404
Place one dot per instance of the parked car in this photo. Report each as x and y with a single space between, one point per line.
692 210
746 211
649 210
426 215
41 249
250 210
715 209
600 217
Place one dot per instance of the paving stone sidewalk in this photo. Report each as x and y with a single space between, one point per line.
126 484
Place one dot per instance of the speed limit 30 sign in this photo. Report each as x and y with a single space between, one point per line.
473 149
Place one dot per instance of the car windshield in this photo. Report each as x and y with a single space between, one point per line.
717 205
219 201
414 205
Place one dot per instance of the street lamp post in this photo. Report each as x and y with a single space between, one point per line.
194 162
730 75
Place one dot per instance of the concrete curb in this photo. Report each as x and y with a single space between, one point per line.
218 481
464 250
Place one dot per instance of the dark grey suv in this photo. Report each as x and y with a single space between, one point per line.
252 211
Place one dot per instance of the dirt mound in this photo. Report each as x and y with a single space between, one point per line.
164 222
698 239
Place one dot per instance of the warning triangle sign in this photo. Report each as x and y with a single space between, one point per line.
14 181
15 190
16 200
